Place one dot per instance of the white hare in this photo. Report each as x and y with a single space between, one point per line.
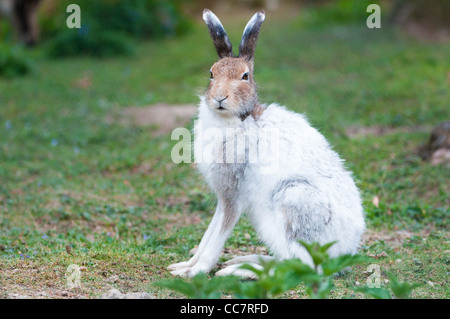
306 194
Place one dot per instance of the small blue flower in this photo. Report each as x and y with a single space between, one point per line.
146 237
35 252
44 236
76 149
54 142
8 125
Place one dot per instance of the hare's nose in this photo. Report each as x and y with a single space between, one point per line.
220 99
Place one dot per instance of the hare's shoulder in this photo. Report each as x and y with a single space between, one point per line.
278 115
291 126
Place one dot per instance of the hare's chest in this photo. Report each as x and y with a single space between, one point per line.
224 178
221 158
221 146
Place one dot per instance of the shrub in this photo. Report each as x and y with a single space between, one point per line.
102 44
108 26
13 61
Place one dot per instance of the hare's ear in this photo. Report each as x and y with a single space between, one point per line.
218 34
250 36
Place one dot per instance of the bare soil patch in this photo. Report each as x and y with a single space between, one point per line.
163 117
378 130
393 238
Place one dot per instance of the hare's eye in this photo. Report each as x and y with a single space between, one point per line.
245 76
211 75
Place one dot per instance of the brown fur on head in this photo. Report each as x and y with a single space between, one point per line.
232 90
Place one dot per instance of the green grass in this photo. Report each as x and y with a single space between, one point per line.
76 188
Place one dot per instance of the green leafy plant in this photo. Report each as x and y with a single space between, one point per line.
320 283
400 290
276 277
200 286
273 277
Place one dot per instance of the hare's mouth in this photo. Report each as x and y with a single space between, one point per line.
221 108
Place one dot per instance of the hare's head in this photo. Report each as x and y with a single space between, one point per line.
232 89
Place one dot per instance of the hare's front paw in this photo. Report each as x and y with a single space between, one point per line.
180 265
184 269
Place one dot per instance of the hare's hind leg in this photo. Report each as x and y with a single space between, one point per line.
233 266
236 270
251 259
283 245
298 211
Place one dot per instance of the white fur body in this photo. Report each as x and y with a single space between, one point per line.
309 196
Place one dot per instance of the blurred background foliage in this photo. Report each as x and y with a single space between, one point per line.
136 18
115 27
109 27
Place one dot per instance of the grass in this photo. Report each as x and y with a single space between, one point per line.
76 188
